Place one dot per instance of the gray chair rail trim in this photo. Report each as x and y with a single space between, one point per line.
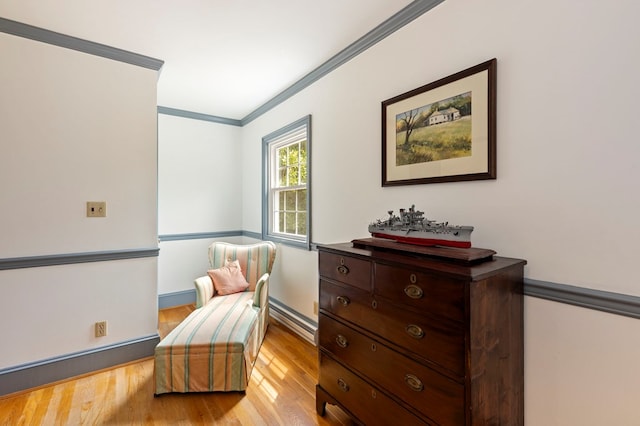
254 235
203 235
199 235
71 258
198 116
61 40
614 303
412 11
51 370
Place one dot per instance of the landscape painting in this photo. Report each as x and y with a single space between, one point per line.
433 132
444 131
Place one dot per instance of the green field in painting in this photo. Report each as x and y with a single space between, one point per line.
434 143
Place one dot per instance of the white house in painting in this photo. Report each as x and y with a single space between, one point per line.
449 114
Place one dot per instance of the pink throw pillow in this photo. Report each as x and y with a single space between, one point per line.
228 279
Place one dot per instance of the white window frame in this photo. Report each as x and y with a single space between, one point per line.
290 134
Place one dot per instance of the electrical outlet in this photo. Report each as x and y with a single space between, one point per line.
315 308
101 329
96 209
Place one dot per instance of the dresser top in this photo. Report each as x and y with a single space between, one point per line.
473 263
466 256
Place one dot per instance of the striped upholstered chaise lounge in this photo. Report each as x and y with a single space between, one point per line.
215 347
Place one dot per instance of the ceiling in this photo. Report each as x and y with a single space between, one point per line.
221 57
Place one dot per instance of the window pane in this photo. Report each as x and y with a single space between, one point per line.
293 175
282 177
279 222
302 199
290 201
290 223
303 162
293 154
282 157
302 224
303 173
280 205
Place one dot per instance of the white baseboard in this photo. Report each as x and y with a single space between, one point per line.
300 325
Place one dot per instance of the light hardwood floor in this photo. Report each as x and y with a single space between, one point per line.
281 392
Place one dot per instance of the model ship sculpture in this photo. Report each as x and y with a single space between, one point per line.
413 228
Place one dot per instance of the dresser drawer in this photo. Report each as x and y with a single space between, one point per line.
364 401
434 339
346 269
429 392
430 293
349 303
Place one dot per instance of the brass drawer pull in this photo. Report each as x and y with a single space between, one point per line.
343 385
413 291
414 331
342 341
344 301
343 270
413 382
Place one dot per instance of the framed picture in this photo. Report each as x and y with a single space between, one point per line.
444 131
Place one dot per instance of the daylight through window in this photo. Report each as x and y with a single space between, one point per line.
286 212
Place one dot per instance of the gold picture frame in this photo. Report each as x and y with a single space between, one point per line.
444 131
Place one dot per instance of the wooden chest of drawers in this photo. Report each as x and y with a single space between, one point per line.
410 338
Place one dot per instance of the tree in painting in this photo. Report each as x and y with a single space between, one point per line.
434 132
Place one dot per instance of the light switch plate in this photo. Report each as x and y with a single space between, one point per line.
96 209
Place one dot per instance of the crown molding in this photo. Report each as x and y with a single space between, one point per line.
388 27
61 40
198 116
408 14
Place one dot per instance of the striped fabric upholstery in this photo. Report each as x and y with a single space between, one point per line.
216 346
213 349
255 259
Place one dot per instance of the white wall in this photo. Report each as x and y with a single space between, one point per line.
75 128
566 196
581 366
200 191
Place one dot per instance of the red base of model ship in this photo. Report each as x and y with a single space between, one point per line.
424 241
